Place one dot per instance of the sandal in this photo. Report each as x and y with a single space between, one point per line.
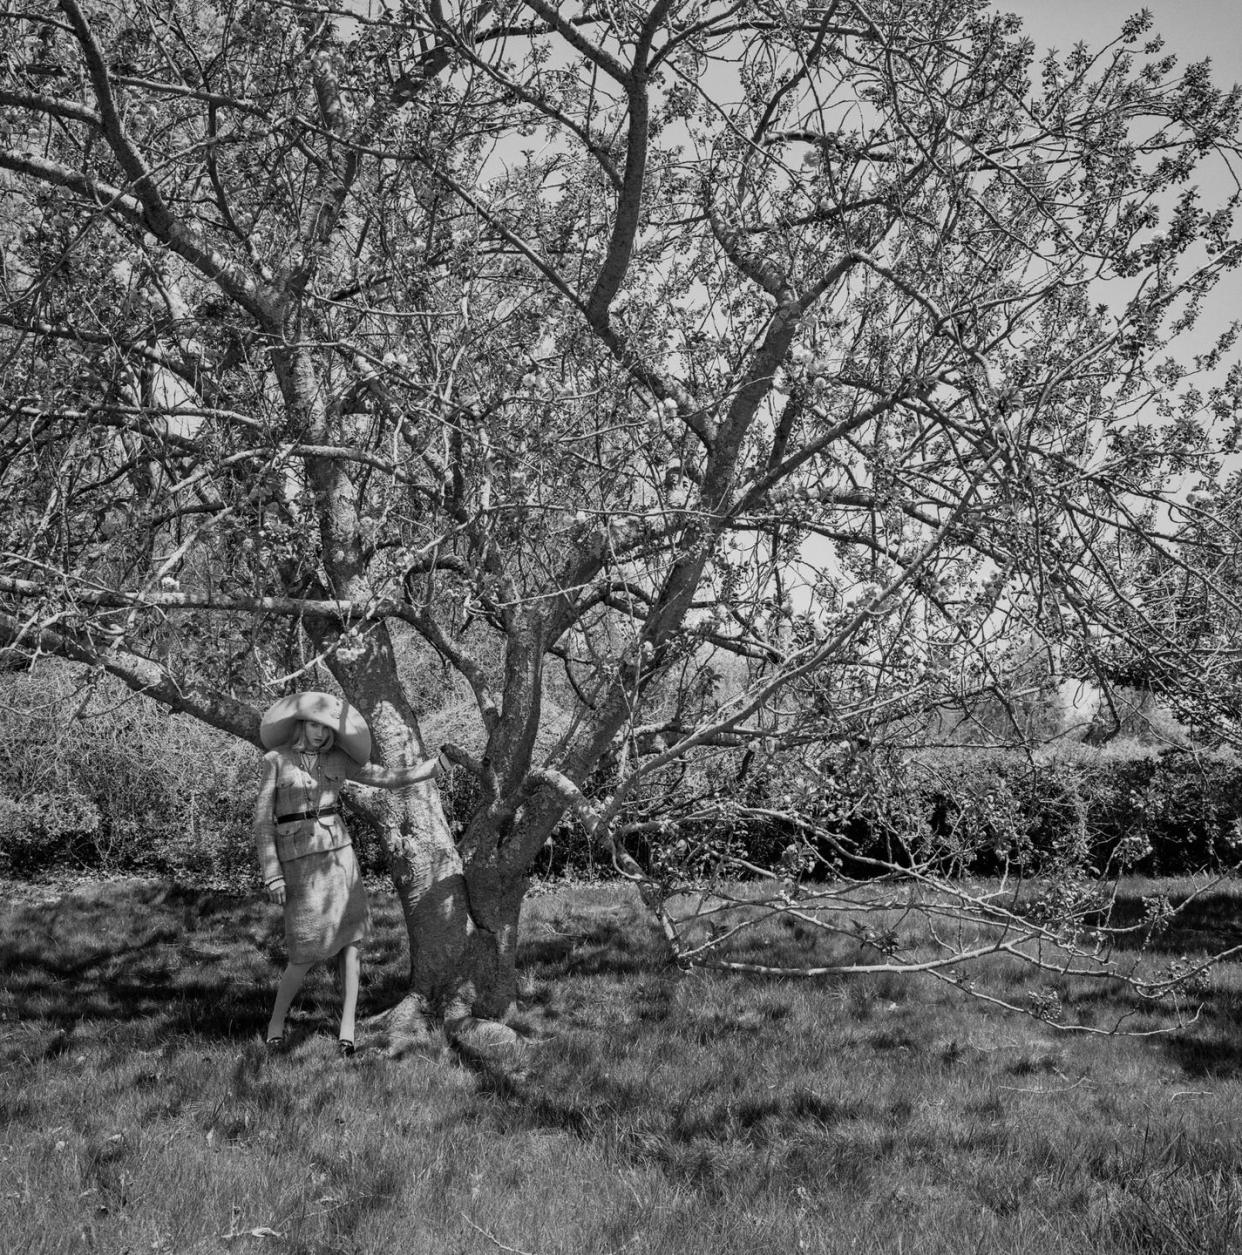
345 1048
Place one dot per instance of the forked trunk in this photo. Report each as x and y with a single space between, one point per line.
458 971
461 922
495 905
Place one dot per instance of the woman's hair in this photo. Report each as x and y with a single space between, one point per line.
298 740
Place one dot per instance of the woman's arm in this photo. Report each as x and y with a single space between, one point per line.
399 777
265 832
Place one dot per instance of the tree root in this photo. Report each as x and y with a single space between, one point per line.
407 1029
410 1028
485 1041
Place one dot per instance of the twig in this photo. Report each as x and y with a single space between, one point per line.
1058 1089
491 1237
517 1250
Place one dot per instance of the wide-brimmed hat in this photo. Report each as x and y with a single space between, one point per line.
352 733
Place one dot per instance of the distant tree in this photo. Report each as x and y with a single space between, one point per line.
630 337
1024 708
1183 612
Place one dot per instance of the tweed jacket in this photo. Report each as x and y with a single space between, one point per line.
294 783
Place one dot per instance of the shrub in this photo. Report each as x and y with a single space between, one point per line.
1156 814
43 829
1168 814
99 778
977 811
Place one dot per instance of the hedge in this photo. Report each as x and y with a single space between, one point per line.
111 782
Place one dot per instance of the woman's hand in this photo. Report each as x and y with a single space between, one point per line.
276 892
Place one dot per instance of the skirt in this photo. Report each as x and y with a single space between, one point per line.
325 905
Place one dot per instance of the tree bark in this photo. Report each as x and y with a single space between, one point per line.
461 920
495 900
423 860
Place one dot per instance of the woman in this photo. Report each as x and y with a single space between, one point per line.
316 742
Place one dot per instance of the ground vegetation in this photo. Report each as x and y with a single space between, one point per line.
667 1111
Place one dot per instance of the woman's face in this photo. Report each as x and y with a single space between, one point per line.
315 736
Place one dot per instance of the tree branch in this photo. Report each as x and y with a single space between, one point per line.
140 674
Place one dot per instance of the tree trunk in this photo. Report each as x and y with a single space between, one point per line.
447 968
495 906
461 921
422 859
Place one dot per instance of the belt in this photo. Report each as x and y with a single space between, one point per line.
288 819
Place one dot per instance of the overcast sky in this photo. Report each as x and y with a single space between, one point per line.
1193 29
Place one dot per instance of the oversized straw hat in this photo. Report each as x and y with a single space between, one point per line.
352 733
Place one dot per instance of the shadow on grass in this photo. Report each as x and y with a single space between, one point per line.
159 961
712 1131
1205 924
630 943
577 1093
1202 925
1202 1036
1214 1053
607 947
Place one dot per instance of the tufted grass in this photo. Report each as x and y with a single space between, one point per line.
665 1113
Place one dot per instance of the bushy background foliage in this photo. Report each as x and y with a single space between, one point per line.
95 779
1127 807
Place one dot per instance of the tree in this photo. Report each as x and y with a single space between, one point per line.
679 360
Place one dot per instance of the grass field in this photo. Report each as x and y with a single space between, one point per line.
667 1112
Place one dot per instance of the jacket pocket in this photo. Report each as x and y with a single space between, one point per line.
308 837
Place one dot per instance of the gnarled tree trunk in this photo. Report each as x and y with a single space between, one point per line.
461 921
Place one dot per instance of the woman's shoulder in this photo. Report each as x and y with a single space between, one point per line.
338 763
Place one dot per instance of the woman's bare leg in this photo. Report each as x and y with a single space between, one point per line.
350 966
290 982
